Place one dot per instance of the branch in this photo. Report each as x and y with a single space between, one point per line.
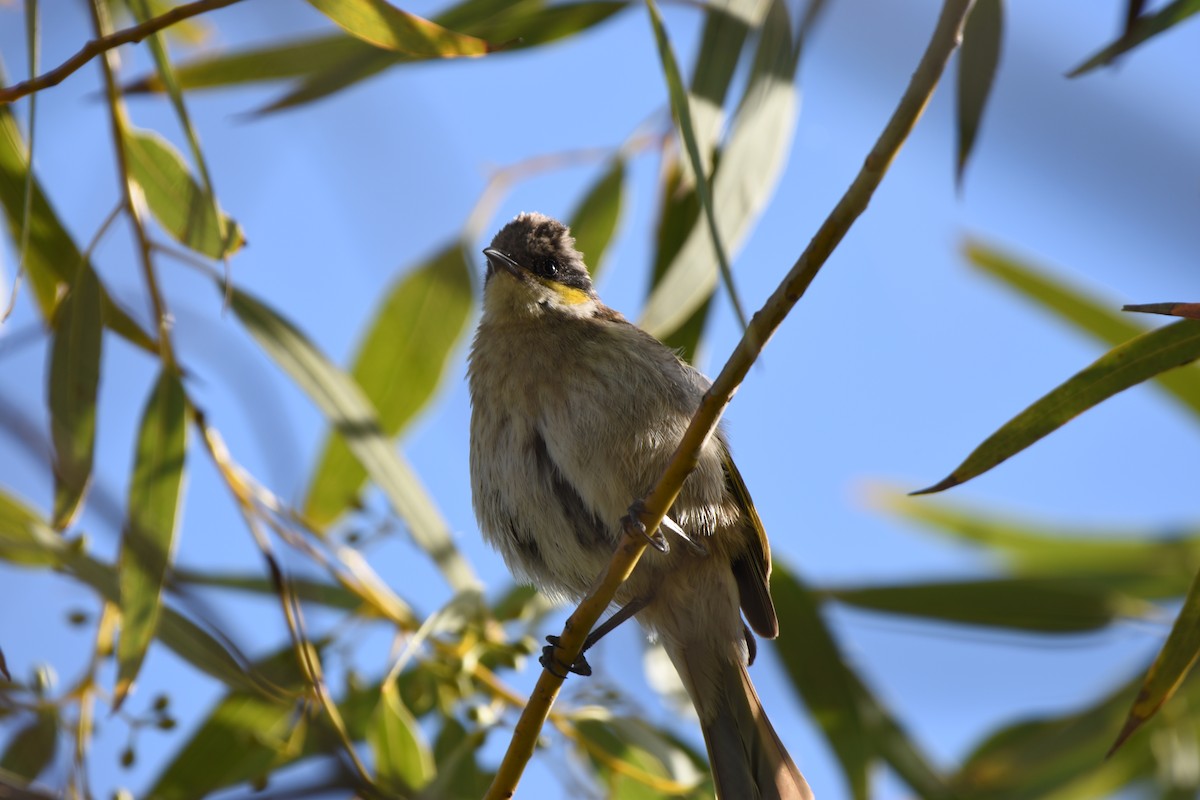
103 44
945 39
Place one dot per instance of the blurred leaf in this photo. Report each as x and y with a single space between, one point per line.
978 57
1144 28
400 363
343 402
1127 365
1137 563
1089 314
1133 10
749 167
25 538
148 541
859 728
185 638
242 739
312 591
1043 757
595 218
52 259
701 162
385 26
179 204
679 211
821 675
634 761
455 752
1044 605
31 749
74 378
328 64
403 760
1186 310
1170 666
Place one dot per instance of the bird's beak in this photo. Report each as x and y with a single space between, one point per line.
499 261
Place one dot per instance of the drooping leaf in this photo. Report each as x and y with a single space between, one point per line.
179 204
403 760
749 167
399 366
1089 314
455 751
148 541
1185 310
313 591
385 26
25 538
31 748
1026 604
701 165
74 379
632 760
343 402
820 674
1170 666
1136 563
1127 365
1146 26
51 259
594 220
978 58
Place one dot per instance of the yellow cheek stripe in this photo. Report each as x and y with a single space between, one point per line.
568 294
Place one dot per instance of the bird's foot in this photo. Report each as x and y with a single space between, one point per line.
632 524
550 661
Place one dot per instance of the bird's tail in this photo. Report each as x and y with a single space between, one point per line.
748 760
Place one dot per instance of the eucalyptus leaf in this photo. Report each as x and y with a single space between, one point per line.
978 58
1145 27
594 220
385 26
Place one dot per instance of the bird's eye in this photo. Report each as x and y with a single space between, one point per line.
547 267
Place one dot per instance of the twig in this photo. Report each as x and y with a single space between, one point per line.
104 43
945 39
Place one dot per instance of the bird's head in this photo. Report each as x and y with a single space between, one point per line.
534 268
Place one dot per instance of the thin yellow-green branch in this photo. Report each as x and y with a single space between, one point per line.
942 44
105 42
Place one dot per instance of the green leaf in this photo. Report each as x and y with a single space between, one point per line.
1170 666
1089 314
1127 365
74 379
1185 310
31 749
403 760
1042 605
179 204
1131 562
1043 757
681 110
243 739
595 218
25 538
400 364
633 760
455 751
859 728
978 57
343 402
183 637
51 259
385 26
1144 28
820 674
748 169
312 591
148 541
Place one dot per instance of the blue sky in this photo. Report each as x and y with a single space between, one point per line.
894 366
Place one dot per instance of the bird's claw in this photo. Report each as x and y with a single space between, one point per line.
631 523
549 661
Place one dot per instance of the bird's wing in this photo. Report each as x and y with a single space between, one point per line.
753 569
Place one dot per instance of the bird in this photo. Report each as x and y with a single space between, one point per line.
575 412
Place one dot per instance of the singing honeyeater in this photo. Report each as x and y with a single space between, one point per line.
575 412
